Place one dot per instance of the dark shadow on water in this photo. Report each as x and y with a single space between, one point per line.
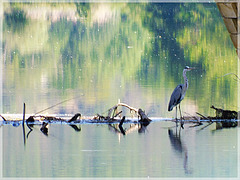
77 129
179 147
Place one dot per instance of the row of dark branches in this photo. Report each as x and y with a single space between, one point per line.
227 118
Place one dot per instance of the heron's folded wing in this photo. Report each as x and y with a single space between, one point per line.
175 97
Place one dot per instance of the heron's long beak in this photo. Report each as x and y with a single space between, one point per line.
192 68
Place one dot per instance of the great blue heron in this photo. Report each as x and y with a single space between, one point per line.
179 93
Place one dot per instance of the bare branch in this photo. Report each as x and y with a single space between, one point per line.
230 74
3 118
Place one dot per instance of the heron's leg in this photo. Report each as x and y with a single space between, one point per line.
180 111
176 113
176 117
182 122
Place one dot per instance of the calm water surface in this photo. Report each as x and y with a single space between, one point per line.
95 54
102 151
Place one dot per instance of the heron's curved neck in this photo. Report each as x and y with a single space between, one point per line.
185 79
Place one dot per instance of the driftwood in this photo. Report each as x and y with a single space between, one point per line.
3 118
112 117
202 116
223 119
113 113
30 119
143 117
225 114
74 118
227 118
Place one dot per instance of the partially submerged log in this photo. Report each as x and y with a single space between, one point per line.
225 114
227 118
143 117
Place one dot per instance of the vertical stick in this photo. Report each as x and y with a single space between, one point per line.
24 106
24 137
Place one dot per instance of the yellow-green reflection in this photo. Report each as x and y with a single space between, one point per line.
100 53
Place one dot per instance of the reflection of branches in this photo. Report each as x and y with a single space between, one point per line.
78 129
120 126
205 126
142 127
44 128
118 129
29 133
24 136
115 128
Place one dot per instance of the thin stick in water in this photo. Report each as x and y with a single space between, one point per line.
53 106
24 136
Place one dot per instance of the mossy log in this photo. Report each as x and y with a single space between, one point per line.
225 114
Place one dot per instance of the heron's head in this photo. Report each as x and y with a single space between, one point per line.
187 68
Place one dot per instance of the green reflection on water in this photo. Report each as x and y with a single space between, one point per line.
100 53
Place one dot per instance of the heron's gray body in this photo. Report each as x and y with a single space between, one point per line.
176 97
179 92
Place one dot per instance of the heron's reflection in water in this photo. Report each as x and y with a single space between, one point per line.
179 147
